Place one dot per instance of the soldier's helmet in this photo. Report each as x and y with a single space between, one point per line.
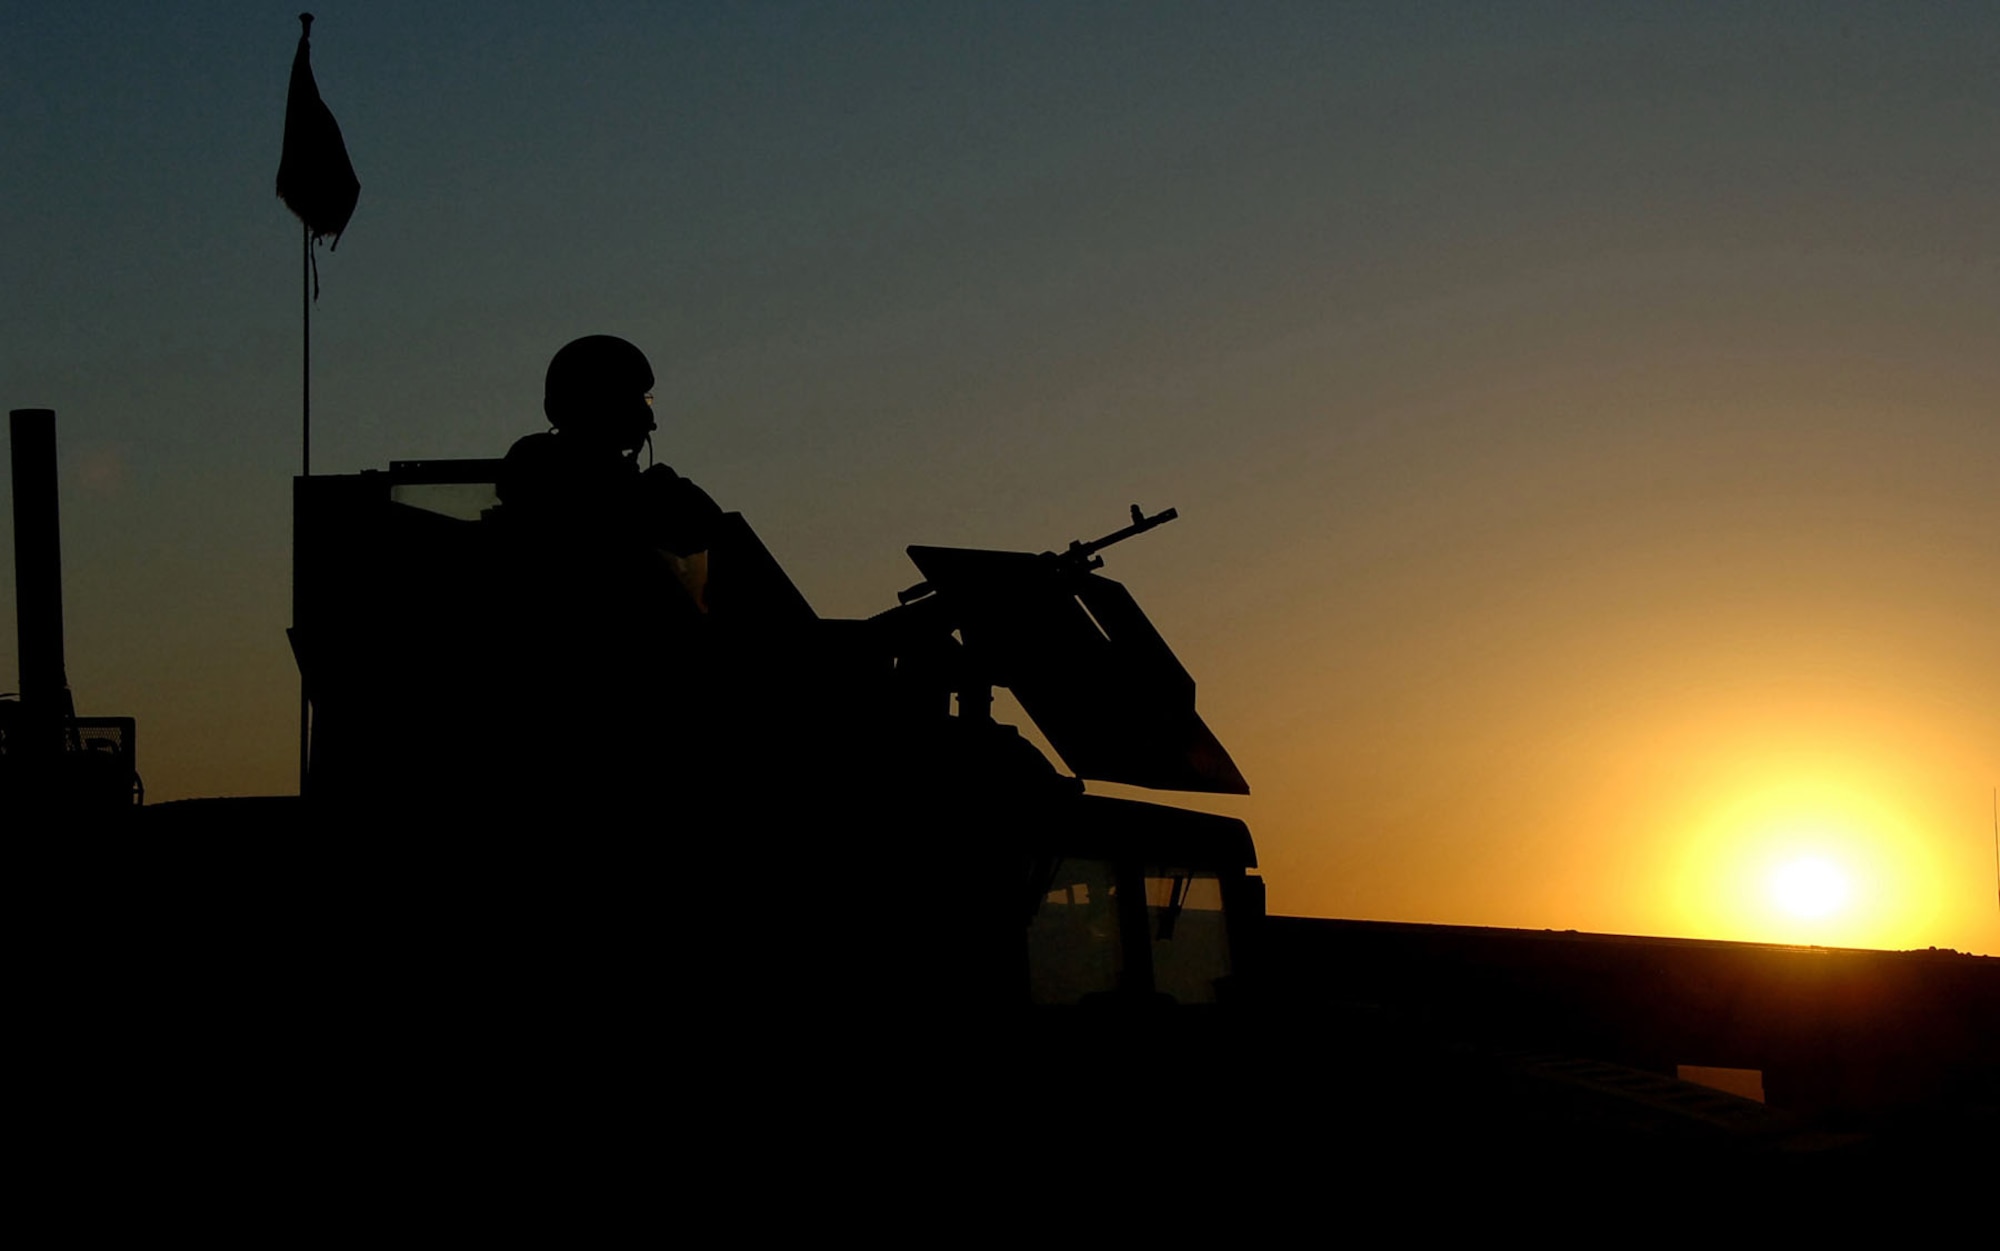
599 388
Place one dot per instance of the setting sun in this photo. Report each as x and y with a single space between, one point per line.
1810 887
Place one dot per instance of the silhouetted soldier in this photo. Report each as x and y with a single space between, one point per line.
602 574
582 479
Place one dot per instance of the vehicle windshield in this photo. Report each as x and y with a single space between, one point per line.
1076 947
1190 941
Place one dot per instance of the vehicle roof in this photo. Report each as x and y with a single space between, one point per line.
1100 827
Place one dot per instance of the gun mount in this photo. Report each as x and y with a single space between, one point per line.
1077 651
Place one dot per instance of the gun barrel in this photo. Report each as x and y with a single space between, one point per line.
1140 524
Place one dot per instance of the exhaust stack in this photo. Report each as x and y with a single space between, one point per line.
45 698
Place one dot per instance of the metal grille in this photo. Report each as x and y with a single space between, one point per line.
105 734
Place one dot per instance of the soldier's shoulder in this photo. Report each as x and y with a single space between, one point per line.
669 487
530 462
534 448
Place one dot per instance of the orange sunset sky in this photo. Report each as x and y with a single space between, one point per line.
1584 419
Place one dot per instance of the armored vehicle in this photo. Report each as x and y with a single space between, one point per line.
697 719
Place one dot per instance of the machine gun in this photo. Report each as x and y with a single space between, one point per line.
1078 557
1074 648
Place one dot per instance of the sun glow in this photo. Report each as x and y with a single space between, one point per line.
1808 863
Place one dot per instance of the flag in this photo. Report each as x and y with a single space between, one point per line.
315 178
